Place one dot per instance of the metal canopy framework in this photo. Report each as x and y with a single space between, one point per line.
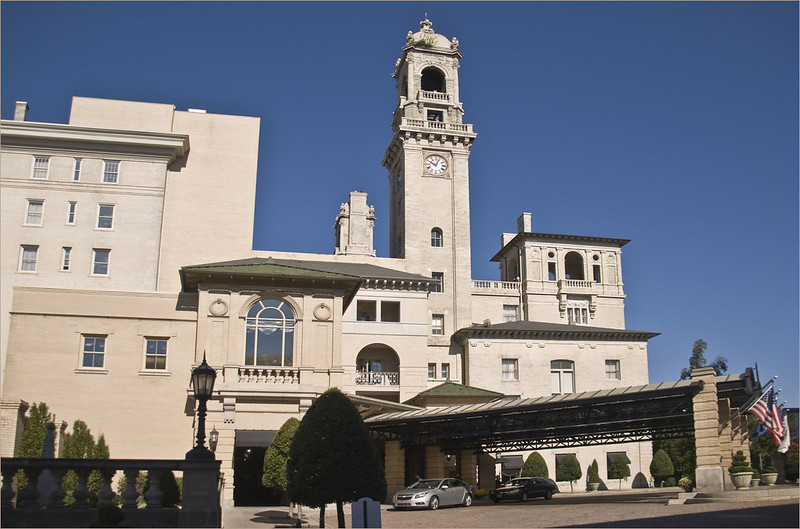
590 418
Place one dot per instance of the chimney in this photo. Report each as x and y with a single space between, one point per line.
21 111
524 223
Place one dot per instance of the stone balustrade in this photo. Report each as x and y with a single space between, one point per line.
438 125
268 375
41 502
434 96
496 285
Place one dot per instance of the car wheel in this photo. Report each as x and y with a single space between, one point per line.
433 504
467 500
548 495
523 496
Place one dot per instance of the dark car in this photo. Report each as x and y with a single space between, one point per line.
521 489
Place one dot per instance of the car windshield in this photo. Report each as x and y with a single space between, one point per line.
517 482
425 484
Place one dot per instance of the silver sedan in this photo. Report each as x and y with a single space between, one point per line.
433 493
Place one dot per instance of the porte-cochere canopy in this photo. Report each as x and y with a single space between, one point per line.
591 418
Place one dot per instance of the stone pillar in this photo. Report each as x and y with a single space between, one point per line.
200 503
709 473
726 436
434 462
468 461
395 468
12 422
486 471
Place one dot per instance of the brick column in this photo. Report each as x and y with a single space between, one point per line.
434 462
709 473
394 467
726 436
469 466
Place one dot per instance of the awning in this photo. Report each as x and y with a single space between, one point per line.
254 438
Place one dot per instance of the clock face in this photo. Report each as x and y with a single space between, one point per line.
435 164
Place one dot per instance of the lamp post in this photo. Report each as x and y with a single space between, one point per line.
203 377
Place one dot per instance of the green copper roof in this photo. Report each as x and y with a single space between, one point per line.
451 389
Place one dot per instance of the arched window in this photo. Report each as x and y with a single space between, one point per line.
573 266
269 339
562 376
436 237
433 80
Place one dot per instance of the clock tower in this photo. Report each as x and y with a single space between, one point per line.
428 163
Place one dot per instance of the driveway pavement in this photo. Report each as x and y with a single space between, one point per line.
643 508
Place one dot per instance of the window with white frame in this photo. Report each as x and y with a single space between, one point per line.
431 370
155 353
105 216
445 370
562 377
509 313
71 209
41 167
438 276
94 352
437 324
28 257
578 312
76 173
510 369
436 238
612 370
110 172
101 260
269 334
66 253
34 214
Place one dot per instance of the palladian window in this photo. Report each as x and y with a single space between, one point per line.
270 334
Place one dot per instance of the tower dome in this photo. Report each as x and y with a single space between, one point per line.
426 38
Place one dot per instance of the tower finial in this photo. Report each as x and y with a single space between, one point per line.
426 25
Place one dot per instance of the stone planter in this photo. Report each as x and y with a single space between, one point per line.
741 480
754 482
593 486
769 478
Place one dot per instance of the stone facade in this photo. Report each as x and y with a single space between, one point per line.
115 346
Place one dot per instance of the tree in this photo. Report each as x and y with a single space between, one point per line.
274 476
33 434
594 472
535 466
333 458
698 359
80 444
619 469
661 466
569 470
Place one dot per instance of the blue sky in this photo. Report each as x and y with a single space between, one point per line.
673 124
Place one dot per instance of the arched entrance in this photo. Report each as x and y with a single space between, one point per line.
377 370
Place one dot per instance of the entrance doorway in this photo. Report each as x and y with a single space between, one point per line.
248 466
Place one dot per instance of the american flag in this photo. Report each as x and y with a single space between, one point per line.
769 415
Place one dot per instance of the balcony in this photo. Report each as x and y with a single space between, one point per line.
503 288
575 286
438 97
263 375
377 379
460 128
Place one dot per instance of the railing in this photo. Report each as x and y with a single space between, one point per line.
365 378
41 502
440 125
434 96
574 284
268 375
496 285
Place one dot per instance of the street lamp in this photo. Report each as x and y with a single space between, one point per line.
203 377
213 438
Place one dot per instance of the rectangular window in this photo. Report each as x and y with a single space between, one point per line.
611 457
105 216
578 315
94 351
100 261
445 371
510 369
76 174
612 370
41 167
438 276
28 256
562 374
551 271
431 371
390 311
509 313
596 273
71 208
110 172
366 310
437 324
33 217
155 354
66 251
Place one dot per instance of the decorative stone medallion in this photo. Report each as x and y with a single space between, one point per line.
322 312
218 307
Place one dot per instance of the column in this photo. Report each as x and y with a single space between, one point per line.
395 467
709 473
434 462
468 460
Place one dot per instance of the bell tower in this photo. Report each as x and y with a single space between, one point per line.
428 163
